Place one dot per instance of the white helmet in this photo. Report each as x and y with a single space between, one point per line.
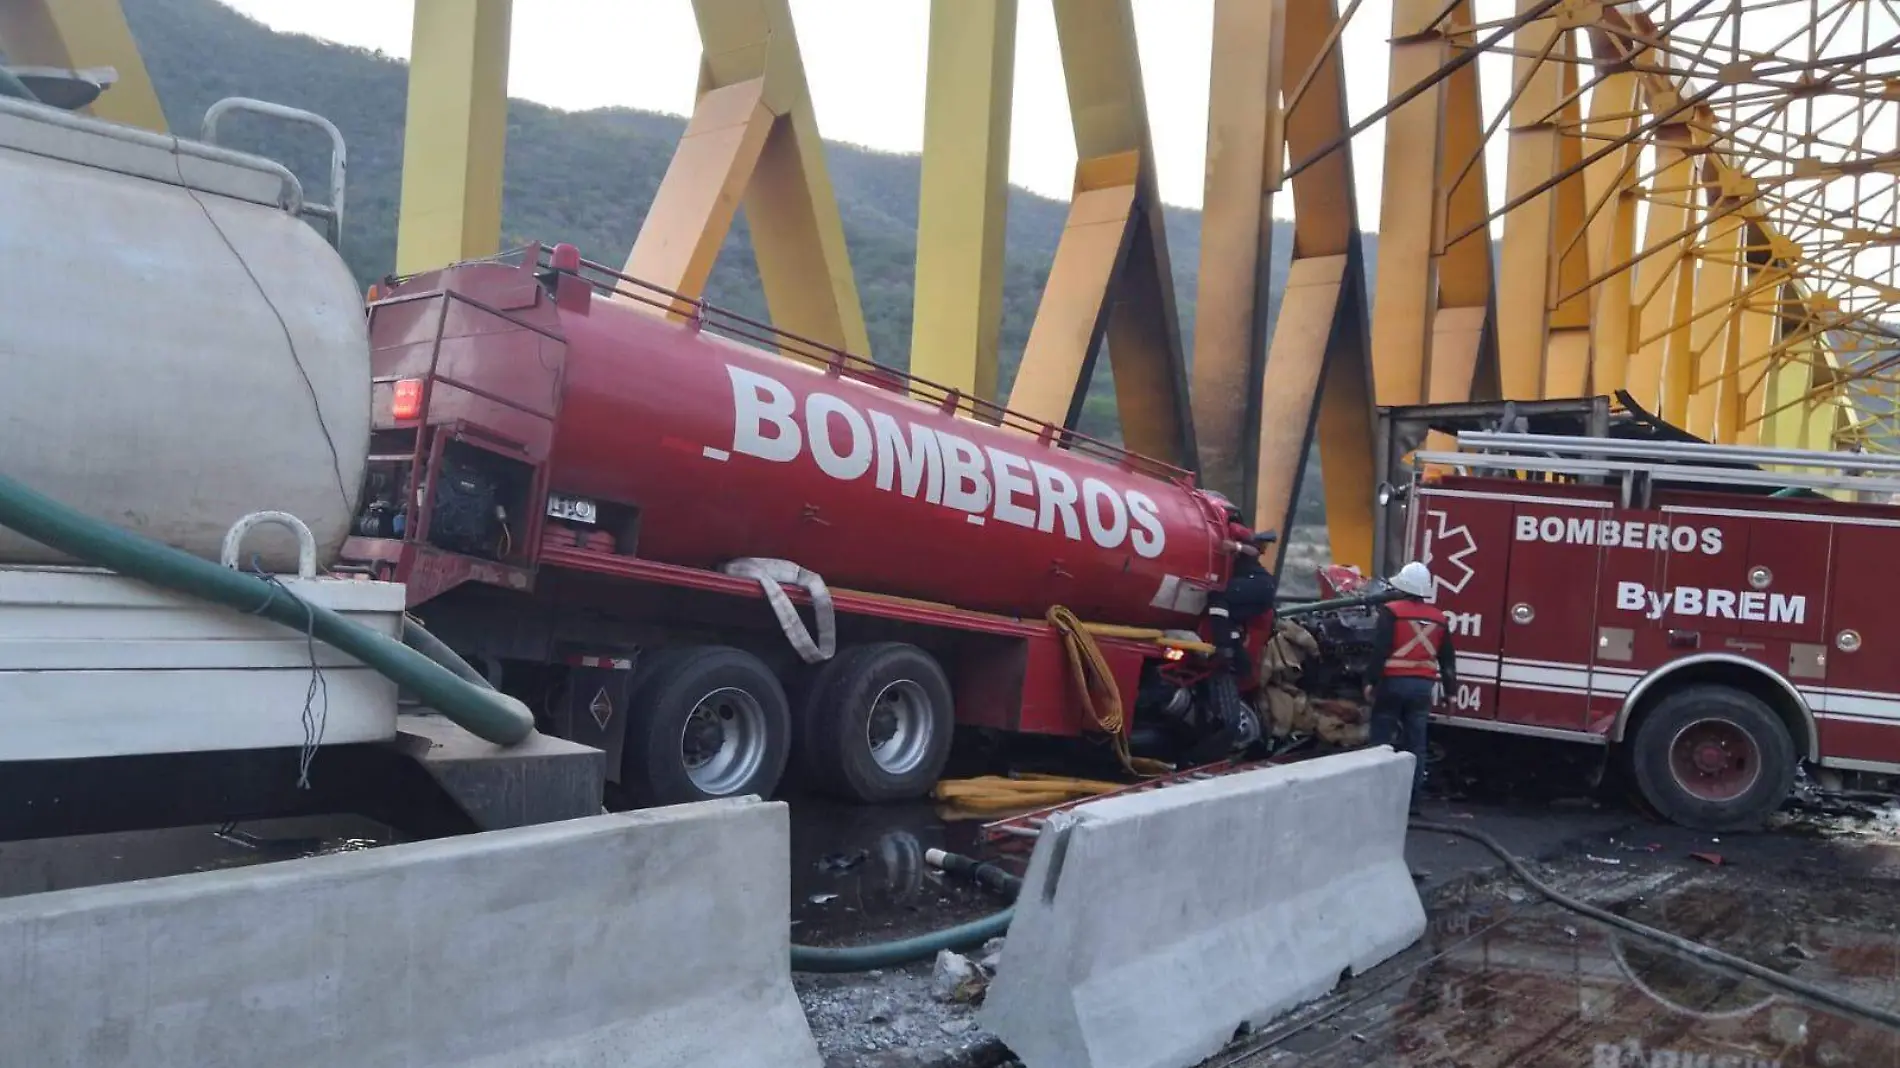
1414 579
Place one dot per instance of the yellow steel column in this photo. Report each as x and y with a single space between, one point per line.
455 133
1662 281
1758 322
1318 375
1610 194
963 196
699 196
1134 308
1406 293
753 133
84 33
1073 314
1524 282
1708 376
1567 354
1461 359
1245 147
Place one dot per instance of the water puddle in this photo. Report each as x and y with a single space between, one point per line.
858 873
1498 983
39 865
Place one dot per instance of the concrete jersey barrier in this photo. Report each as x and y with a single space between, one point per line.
656 938
1151 926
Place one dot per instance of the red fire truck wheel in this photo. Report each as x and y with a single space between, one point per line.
875 724
708 722
1713 758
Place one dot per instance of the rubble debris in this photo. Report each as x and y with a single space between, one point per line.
1708 858
956 978
992 955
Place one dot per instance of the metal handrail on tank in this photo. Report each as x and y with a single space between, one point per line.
741 328
290 201
339 154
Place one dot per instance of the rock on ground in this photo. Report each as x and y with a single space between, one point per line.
887 1018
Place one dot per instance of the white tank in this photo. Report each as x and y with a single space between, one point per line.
177 347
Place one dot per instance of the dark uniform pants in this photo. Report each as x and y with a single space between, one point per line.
1400 711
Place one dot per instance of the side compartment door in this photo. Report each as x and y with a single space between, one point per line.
1465 540
1551 606
1707 557
1781 597
1859 716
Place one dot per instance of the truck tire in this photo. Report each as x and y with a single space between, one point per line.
707 722
1713 758
875 724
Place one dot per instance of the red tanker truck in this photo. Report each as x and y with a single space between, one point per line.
600 492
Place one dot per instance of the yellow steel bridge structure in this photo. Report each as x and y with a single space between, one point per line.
1698 206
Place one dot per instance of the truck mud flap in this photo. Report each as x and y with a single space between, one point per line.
658 938
1150 927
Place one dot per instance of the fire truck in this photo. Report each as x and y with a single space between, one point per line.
633 510
1714 617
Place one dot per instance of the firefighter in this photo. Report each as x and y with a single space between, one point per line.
1412 665
1249 594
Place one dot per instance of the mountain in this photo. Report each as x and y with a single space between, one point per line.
589 177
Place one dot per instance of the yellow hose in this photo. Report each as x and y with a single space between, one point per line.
1101 698
991 794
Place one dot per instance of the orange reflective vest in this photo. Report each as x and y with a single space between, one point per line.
1418 632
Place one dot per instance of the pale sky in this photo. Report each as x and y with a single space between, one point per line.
865 62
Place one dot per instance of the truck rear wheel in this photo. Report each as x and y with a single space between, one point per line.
875 724
1713 758
709 722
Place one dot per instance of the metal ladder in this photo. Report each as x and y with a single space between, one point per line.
1678 462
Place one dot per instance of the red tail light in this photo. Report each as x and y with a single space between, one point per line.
408 404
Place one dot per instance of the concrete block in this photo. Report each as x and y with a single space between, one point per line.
657 938
93 664
541 780
1151 926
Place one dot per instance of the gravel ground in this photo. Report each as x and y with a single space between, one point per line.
861 1021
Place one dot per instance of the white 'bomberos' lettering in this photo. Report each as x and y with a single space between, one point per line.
1751 606
1619 534
916 460
843 466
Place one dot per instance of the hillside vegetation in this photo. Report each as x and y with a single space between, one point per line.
589 177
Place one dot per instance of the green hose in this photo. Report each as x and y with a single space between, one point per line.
492 716
419 639
903 950
923 946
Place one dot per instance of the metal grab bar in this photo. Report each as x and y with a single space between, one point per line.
332 212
